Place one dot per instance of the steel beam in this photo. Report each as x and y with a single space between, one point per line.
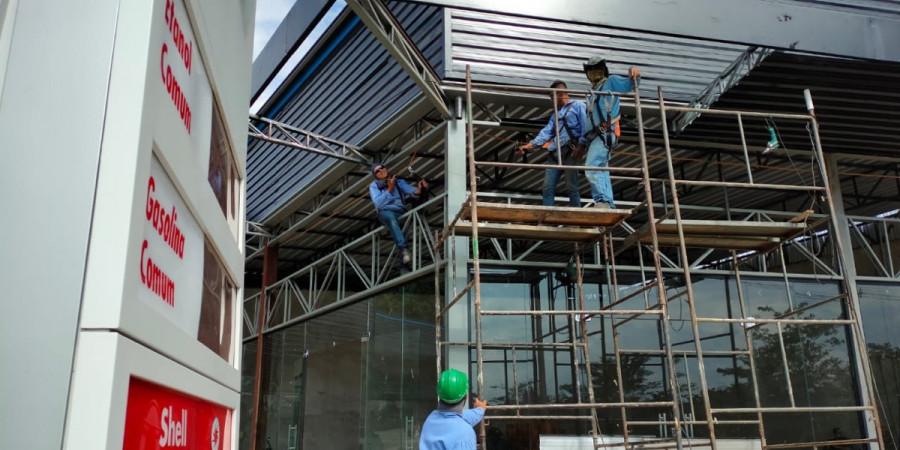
333 202
732 75
283 134
387 29
788 26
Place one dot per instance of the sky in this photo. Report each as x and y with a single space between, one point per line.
269 14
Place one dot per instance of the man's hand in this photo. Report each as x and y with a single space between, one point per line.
391 182
479 403
523 148
423 185
634 72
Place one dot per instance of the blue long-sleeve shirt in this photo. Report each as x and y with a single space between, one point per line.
604 108
574 114
450 430
385 200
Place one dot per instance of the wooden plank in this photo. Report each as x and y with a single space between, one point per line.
530 232
549 215
731 228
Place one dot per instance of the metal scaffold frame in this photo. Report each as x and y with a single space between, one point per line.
671 229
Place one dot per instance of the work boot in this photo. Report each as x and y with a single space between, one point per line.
405 256
601 205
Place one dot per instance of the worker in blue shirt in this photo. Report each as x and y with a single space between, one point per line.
572 117
449 427
603 127
389 195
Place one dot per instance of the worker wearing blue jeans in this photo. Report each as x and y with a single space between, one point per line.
388 194
572 118
603 128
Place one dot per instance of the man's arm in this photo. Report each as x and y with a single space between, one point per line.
621 83
406 188
544 135
378 196
473 416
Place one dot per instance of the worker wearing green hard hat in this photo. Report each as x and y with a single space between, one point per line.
450 425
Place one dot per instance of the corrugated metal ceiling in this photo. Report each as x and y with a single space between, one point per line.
534 52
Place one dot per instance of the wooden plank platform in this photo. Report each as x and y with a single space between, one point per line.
548 215
724 234
531 232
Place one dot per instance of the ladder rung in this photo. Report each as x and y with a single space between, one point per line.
583 405
513 345
559 312
538 418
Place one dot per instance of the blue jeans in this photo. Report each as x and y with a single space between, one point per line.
390 219
601 185
551 179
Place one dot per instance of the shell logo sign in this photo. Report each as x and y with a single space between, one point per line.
159 418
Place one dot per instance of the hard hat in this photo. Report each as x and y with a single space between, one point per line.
453 386
595 63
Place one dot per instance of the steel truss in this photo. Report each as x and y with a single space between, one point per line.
359 269
276 132
385 27
621 310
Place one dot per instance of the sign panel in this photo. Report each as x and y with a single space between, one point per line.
171 252
157 417
180 83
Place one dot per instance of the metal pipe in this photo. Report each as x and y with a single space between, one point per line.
585 339
638 351
779 321
476 266
740 122
748 342
567 312
614 405
816 444
260 337
787 370
738 184
556 166
538 417
556 128
789 409
704 386
457 297
499 345
657 266
611 275
853 308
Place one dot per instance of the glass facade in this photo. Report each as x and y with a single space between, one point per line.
363 376
819 357
880 305
359 377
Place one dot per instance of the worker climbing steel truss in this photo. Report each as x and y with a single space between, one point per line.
588 227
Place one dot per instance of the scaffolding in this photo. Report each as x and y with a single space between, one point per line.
587 227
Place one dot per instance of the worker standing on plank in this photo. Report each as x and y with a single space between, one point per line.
389 195
603 127
572 117
449 427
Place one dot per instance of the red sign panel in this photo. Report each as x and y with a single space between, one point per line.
161 418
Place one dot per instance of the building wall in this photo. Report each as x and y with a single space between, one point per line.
52 101
351 91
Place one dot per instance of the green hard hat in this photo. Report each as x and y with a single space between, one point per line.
453 386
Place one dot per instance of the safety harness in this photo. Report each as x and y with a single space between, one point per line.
573 139
607 123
